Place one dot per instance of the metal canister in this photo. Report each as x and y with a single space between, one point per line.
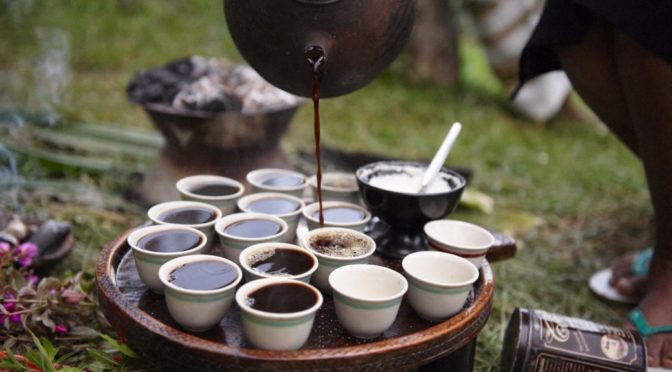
538 341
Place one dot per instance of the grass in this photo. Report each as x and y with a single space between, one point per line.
574 176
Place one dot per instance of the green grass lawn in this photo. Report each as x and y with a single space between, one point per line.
587 190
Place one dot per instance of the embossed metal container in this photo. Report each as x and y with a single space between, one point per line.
539 341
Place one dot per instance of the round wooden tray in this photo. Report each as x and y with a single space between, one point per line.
141 318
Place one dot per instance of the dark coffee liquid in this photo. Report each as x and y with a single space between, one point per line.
282 298
316 58
214 189
274 206
284 261
188 216
169 241
203 275
283 180
255 228
341 214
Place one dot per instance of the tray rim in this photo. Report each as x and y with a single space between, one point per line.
462 328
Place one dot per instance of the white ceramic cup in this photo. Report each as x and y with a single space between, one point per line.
154 213
276 331
367 298
328 262
314 222
255 253
258 177
197 310
459 238
232 245
225 203
337 186
148 262
247 204
438 283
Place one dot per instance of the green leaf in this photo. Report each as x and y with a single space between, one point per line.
43 358
102 357
70 369
122 348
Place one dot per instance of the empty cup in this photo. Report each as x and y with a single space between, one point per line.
459 238
438 283
367 298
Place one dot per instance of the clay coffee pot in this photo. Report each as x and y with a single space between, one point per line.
360 38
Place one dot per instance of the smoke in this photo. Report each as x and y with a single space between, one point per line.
9 178
51 74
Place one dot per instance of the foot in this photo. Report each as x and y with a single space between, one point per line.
624 280
656 307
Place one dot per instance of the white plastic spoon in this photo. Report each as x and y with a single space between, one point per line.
440 157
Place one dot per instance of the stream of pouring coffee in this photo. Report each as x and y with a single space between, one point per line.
316 59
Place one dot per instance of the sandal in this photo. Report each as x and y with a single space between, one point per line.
642 326
599 282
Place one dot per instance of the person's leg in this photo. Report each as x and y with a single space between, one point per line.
647 83
591 68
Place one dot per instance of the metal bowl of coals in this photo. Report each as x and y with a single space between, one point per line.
217 118
391 191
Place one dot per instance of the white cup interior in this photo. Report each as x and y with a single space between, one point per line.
440 268
459 234
368 282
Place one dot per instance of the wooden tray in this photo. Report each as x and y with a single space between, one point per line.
141 317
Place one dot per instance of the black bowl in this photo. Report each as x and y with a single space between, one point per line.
406 212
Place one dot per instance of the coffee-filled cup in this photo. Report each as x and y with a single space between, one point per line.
240 230
221 192
337 214
281 205
278 313
200 216
199 289
155 245
335 247
337 186
277 180
267 260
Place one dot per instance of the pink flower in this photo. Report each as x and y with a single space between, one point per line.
71 297
26 252
61 329
11 304
4 248
33 279
15 318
